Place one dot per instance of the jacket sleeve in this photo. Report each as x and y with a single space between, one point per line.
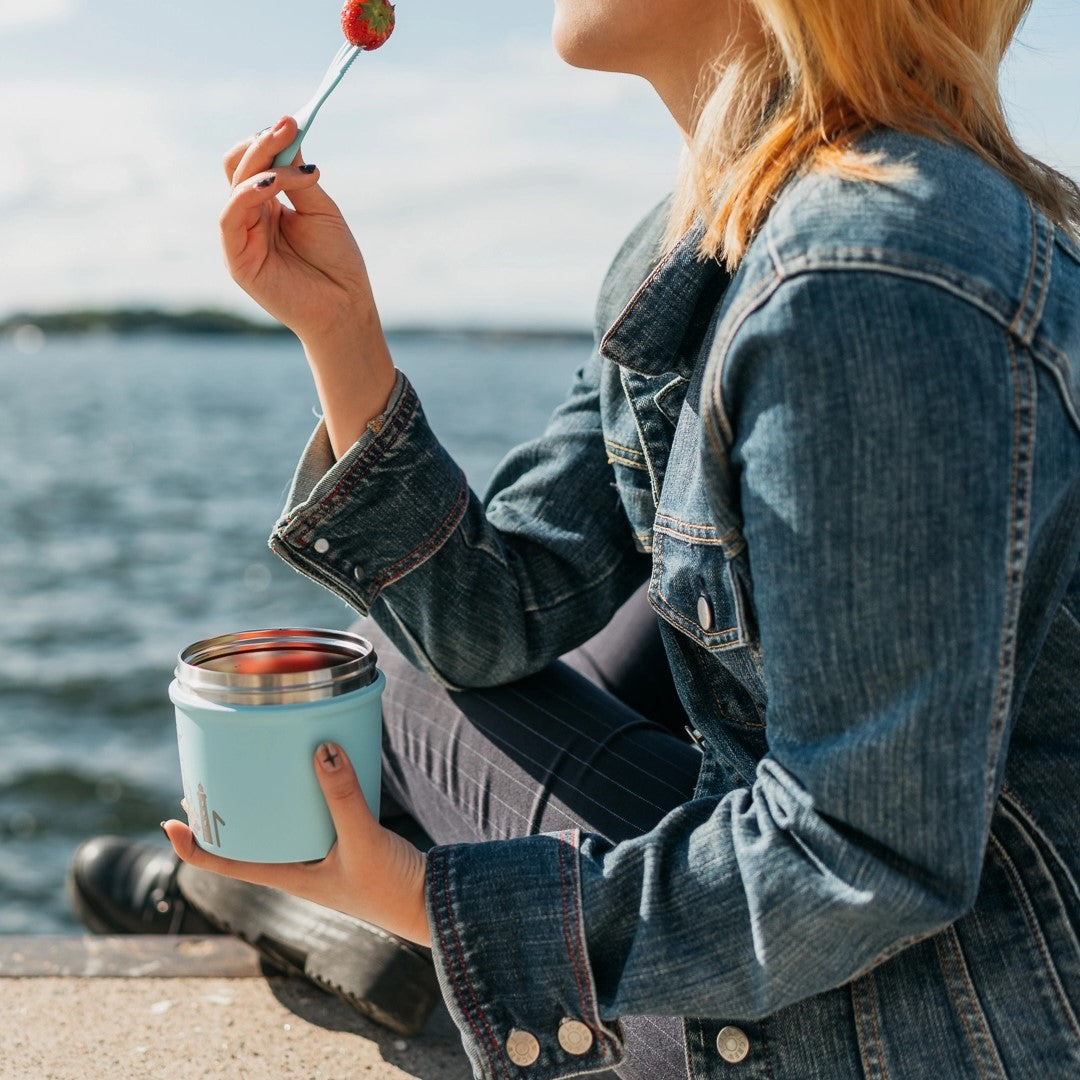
476 592
879 469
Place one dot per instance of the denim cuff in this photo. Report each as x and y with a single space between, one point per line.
509 945
336 526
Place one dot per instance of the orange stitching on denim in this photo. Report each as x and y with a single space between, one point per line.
619 446
567 939
947 942
689 524
640 466
723 639
491 1040
730 537
709 541
407 407
862 994
622 316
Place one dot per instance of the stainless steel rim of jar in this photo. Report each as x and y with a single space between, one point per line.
208 668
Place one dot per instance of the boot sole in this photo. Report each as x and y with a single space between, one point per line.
390 981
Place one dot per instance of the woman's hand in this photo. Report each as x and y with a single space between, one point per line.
302 265
370 872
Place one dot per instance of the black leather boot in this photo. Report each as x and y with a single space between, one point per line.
119 886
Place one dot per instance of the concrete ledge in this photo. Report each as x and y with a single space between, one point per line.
93 957
149 1008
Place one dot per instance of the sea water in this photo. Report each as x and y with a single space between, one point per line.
139 478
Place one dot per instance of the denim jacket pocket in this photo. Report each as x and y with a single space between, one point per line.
695 585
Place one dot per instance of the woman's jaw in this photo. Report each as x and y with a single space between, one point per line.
671 44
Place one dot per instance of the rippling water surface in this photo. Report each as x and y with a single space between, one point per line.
138 481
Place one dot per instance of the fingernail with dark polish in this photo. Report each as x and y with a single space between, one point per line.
266 181
330 756
308 168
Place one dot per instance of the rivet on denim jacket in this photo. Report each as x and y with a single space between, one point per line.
853 474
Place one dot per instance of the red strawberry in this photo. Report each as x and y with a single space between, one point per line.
367 23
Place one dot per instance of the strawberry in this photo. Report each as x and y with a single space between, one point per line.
367 23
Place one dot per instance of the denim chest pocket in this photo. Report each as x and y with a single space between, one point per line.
697 585
701 581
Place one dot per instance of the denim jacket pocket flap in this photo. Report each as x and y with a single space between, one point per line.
695 586
670 397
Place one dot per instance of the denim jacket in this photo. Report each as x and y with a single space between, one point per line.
852 475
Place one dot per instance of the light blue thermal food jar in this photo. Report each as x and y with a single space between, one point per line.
251 709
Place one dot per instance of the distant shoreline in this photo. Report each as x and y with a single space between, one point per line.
216 323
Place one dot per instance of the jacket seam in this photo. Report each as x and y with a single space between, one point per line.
1019 820
654 483
696 538
1057 362
491 1041
1075 619
1013 804
871 1049
1018 532
663 262
723 437
571 944
731 541
967 1005
1042 253
1033 259
625 449
1036 932
614 459
572 916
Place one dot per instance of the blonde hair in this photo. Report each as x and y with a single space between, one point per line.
830 70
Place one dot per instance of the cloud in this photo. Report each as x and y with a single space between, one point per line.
20 13
490 192
484 196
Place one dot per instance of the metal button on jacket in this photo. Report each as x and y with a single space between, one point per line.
575 1037
522 1047
704 612
322 545
732 1044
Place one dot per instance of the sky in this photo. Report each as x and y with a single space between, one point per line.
488 182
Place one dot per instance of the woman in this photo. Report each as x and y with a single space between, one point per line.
834 419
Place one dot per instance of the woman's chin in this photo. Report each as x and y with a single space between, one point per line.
575 45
